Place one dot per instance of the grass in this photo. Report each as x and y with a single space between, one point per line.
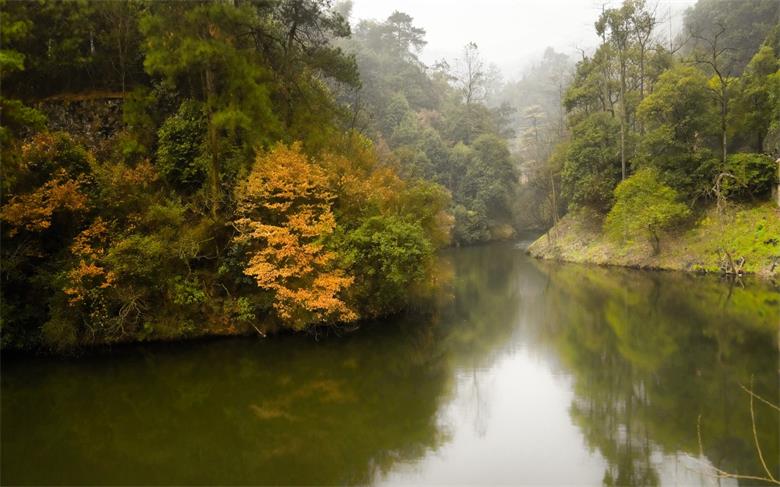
748 231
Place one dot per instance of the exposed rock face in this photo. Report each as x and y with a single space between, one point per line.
94 120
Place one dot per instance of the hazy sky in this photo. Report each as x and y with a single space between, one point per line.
509 33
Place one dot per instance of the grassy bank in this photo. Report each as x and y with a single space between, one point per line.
749 232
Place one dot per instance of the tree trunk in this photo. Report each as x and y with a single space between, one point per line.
641 83
554 212
776 186
723 112
121 54
623 148
641 73
213 142
656 243
623 116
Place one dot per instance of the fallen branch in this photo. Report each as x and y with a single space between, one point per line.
755 438
730 266
258 330
722 473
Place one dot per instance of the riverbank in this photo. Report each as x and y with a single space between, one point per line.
749 232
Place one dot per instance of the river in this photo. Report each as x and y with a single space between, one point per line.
525 372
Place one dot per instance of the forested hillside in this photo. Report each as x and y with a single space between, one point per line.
436 122
263 174
174 169
664 136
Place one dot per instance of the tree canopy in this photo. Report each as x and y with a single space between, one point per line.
234 192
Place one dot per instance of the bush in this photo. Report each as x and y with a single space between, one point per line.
644 206
186 291
180 154
59 333
471 226
387 255
753 175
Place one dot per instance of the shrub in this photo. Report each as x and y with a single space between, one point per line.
180 155
644 206
387 255
753 175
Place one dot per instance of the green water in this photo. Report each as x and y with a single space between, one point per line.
527 373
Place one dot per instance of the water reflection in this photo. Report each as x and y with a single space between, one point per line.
236 411
526 372
652 352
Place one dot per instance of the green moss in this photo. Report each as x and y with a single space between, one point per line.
751 232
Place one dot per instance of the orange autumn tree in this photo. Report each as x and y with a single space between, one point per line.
44 179
284 211
90 274
34 211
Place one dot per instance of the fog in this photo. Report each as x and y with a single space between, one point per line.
510 33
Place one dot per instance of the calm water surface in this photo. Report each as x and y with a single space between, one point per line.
527 373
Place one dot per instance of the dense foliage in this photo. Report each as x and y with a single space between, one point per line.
268 165
694 118
235 194
436 123
644 207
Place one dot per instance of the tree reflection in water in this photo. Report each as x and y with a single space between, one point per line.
232 411
641 354
650 352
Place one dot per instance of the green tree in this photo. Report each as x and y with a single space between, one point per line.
591 169
745 26
386 54
198 45
644 207
758 96
437 128
389 256
180 151
615 25
680 122
592 89
77 46
17 117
